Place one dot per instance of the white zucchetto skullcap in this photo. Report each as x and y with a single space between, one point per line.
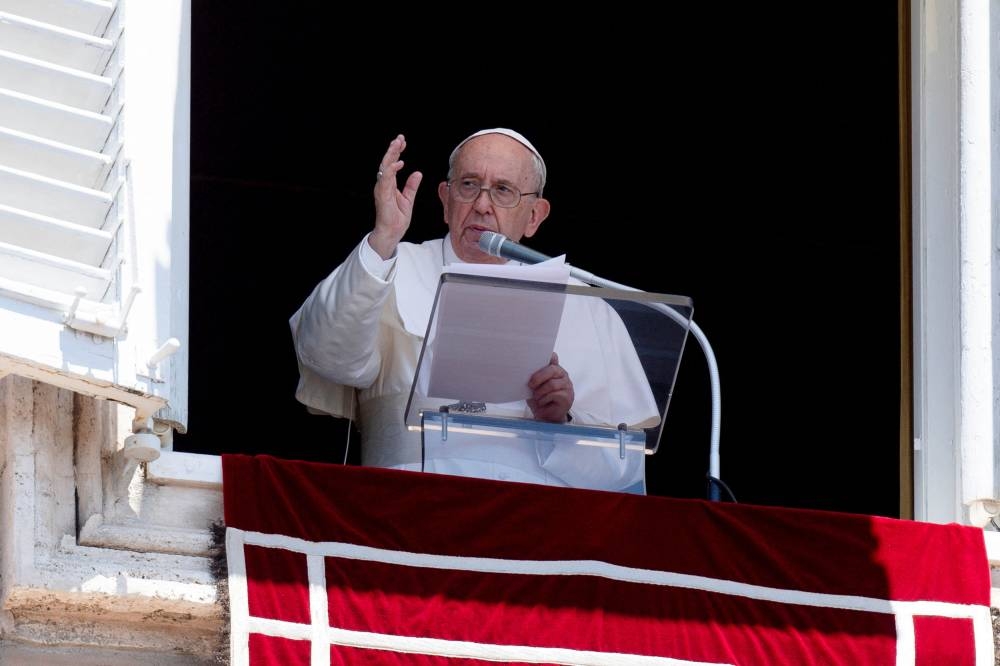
517 136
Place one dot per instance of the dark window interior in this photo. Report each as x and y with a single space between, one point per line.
747 158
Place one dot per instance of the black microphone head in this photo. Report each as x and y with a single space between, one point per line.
490 242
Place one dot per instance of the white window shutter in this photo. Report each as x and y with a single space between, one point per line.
94 173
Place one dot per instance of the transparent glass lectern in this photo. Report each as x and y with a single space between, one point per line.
486 336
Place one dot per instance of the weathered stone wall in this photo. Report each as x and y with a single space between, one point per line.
99 564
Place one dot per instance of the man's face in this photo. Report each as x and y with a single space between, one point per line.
492 160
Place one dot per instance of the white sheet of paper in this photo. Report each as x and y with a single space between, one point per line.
489 340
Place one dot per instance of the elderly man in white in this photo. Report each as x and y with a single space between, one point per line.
359 334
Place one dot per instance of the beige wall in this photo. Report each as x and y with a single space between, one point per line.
100 561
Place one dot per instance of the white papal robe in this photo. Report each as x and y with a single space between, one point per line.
358 339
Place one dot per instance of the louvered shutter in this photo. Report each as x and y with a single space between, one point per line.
94 132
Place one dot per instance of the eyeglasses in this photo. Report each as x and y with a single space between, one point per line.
467 190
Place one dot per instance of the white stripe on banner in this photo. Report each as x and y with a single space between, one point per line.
464 649
612 572
239 604
906 644
982 629
319 610
903 610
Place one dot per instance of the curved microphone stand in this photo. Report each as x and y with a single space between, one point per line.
499 245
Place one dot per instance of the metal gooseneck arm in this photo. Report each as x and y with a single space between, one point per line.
499 245
713 370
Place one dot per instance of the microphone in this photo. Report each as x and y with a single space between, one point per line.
499 245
